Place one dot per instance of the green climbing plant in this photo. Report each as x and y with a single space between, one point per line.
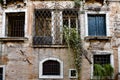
103 72
74 42
77 3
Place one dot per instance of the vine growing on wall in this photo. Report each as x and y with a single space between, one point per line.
77 3
74 43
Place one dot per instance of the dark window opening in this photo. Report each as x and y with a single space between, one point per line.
51 67
92 1
73 73
42 27
12 1
96 25
1 73
16 23
101 59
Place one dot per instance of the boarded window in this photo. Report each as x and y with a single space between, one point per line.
96 25
51 67
16 23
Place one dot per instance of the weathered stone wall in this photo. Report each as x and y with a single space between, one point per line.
22 63
21 60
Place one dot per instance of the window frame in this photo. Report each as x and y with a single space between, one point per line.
101 53
73 76
3 66
50 76
97 13
4 27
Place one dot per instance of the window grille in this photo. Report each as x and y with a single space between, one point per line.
102 59
42 27
51 67
15 26
70 18
49 23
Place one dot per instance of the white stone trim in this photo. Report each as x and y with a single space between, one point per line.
3 66
107 21
73 76
13 11
102 53
49 76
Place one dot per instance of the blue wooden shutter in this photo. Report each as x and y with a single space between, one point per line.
91 25
101 25
96 25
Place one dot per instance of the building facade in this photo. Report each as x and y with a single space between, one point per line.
32 42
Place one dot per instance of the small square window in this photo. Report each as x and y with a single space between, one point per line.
72 73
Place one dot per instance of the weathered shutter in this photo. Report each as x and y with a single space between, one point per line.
91 25
101 27
96 25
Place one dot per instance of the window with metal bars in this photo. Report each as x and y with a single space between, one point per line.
51 67
101 59
15 24
48 25
70 18
42 27
96 24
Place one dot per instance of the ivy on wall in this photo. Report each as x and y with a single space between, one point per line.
74 43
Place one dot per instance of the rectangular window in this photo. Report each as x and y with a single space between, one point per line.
100 63
49 23
96 25
15 24
42 27
101 59
70 18
2 73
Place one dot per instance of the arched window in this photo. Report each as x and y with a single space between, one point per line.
51 68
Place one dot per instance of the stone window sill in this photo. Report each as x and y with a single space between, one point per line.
88 38
7 39
49 46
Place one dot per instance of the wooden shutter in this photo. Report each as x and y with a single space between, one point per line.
96 25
